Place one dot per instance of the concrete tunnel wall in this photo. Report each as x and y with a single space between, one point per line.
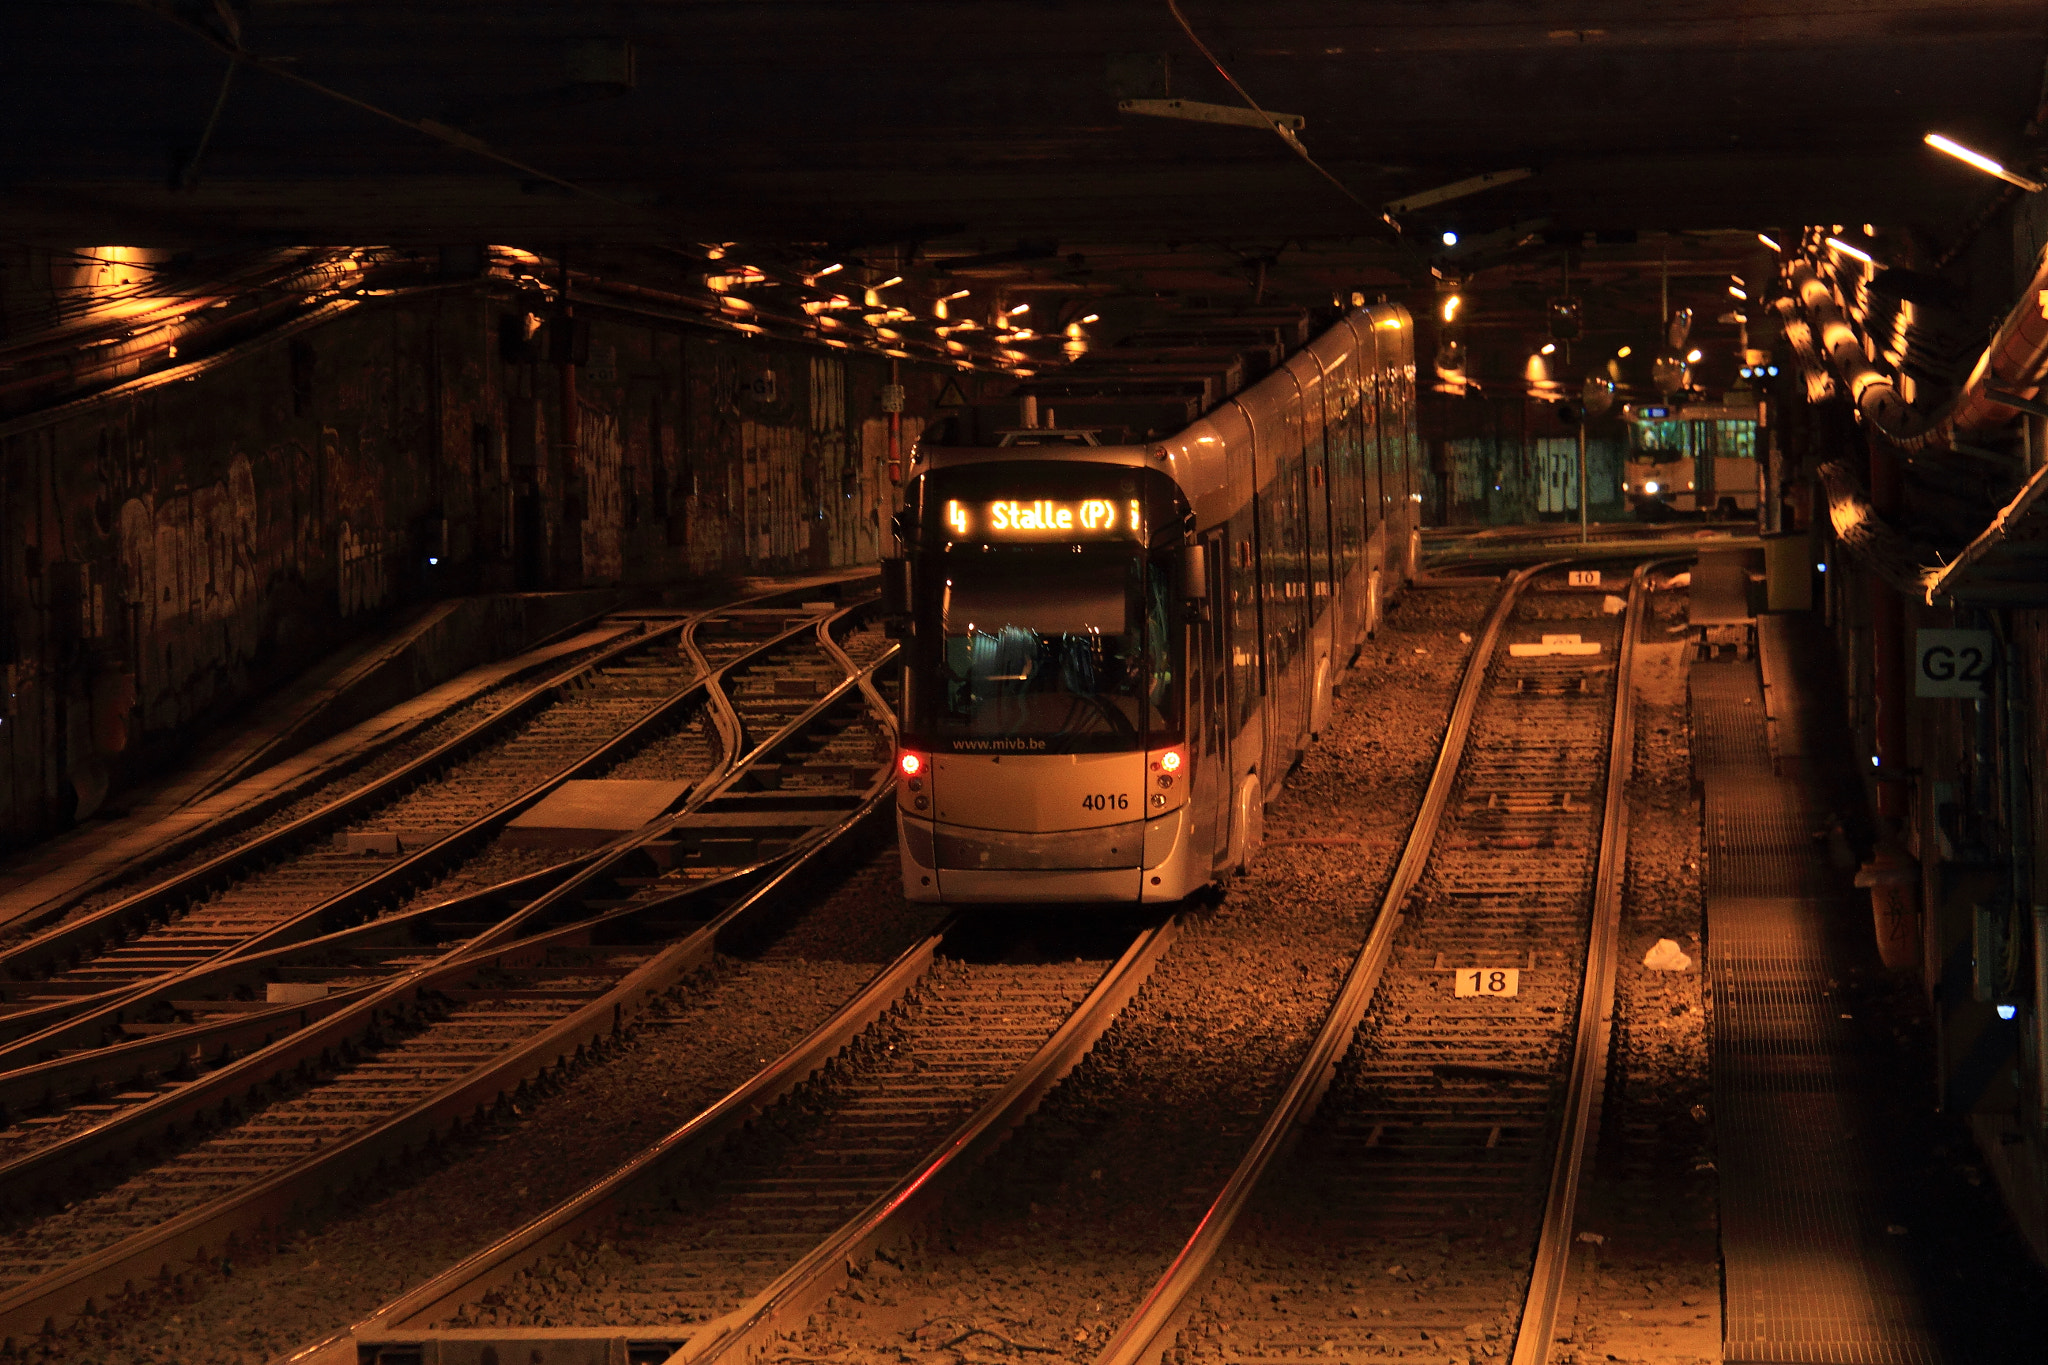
166 557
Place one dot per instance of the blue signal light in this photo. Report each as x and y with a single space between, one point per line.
1450 238
2008 1011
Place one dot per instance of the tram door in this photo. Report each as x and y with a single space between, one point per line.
1320 645
1212 708
1283 585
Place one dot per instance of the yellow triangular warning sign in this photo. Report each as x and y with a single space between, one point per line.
951 397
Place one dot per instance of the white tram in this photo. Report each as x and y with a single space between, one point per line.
1118 651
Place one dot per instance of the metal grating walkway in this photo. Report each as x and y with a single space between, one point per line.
1811 1273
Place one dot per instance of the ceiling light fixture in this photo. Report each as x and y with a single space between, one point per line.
1981 162
1766 240
1838 244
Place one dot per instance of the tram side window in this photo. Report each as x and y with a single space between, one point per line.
1243 642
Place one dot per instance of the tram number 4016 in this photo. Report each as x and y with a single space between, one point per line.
1113 801
1489 980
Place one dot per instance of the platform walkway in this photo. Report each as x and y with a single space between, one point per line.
1814 1272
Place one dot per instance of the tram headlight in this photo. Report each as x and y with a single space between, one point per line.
1651 487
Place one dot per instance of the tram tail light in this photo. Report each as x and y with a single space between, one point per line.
912 769
1166 774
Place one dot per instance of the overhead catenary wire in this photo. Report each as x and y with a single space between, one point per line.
232 47
1285 134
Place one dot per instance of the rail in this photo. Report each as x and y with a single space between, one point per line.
1148 1333
578 913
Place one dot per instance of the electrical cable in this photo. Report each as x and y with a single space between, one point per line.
1285 134
232 47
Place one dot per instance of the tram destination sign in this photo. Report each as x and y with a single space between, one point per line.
1046 519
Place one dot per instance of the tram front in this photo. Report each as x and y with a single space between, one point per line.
1043 747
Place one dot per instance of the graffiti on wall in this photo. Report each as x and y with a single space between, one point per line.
605 506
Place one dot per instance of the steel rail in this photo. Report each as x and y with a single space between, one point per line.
824 1271
526 929
83 1022
333 772
1537 1331
598 1204
819 1272
80 937
1147 1332
37 1085
268 1203
44 1084
152 902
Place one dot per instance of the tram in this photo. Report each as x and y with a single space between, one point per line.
1692 458
1120 641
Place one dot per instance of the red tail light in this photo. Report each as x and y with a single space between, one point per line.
910 764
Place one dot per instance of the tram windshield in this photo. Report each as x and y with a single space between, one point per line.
1051 649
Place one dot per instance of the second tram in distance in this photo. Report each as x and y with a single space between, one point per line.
1118 650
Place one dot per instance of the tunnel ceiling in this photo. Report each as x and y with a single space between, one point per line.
985 139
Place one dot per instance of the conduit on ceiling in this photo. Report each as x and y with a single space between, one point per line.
2012 363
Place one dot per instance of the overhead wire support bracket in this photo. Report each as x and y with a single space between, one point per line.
1422 199
1196 111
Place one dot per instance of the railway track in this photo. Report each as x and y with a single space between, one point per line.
423 821
426 1018
1486 1100
688 734
1412 1194
705 1237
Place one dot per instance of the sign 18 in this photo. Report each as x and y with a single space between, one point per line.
1489 980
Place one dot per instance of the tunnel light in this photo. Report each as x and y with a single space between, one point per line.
1093 317
1020 309
1838 244
1549 348
2008 1011
1980 161
1735 293
1767 241
1450 238
1624 353
832 269
1870 229
1451 306
1692 357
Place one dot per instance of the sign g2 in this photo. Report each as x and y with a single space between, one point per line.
1951 663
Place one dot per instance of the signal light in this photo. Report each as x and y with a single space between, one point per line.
910 765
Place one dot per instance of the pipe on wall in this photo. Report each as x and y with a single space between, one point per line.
2012 363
